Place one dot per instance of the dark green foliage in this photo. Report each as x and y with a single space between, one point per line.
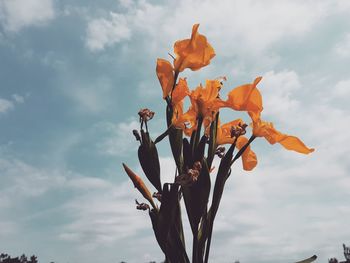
149 160
5 258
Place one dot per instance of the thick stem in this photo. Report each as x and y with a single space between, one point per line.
197 135
195 247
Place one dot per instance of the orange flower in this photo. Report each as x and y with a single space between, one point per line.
249 159
165 74
193 53
206 100
246 98
180 92
223 134
266 130
205 103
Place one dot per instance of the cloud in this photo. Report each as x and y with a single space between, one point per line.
5 105
251 33
17 14
91 97
343 47
18 98
119 140
341 89
278 89
103 32
96 213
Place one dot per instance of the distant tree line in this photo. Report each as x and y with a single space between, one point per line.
5 258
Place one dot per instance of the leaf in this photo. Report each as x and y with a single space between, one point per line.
199 152
167 210
212 140
187 154
149 160
163 135
175 139
196 197
221 177
153 214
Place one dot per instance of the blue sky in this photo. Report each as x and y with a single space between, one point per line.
73 75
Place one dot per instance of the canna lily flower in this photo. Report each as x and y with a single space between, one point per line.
186 121
266 130
193 53
165 74
246 98
224 136
205 103
178 95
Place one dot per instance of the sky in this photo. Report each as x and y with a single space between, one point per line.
73 75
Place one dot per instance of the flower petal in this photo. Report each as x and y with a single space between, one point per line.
193 53
165 74
224 132
180 92
249 159
267 130
294 143
246 98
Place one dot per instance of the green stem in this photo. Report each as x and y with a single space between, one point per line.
197 135
241 151
195 247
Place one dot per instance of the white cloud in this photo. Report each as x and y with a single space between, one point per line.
103 32
342 89
18 98
5 105
119 140
17 14
343 47
267 23
91 97
278 89
24 181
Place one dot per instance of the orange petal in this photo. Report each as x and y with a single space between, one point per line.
180 92
187 121
294 143
224 132
193 53
165 75
267 130
249 159
246 98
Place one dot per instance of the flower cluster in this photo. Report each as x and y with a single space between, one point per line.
196 136
195 53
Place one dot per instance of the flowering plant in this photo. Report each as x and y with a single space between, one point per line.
196 137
